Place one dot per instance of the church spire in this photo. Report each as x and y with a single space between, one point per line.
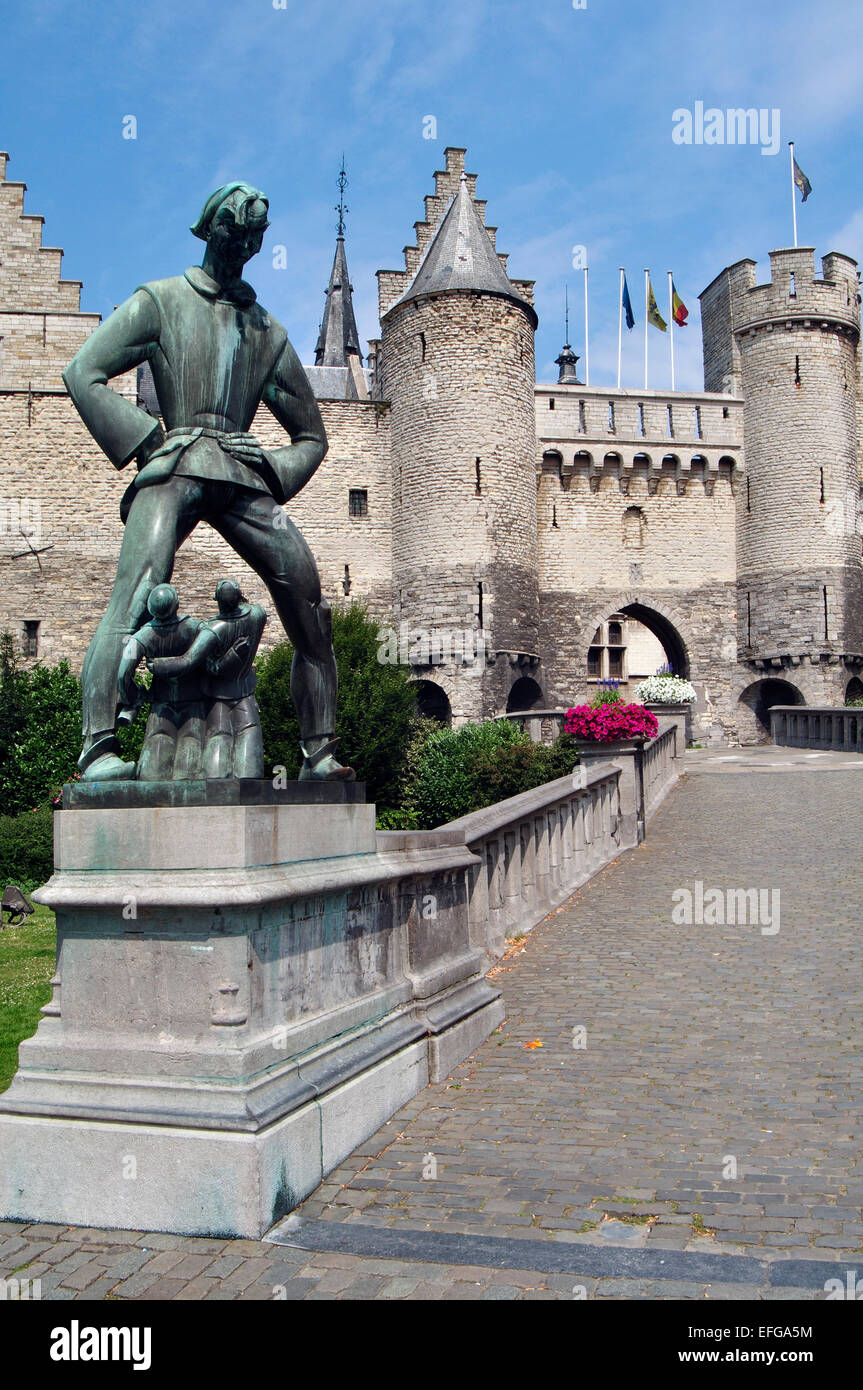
339 339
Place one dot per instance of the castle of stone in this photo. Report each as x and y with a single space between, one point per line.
518 541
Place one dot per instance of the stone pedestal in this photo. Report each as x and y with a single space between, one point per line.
243 994
679 713
626 754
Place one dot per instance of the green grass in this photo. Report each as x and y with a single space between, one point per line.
27 956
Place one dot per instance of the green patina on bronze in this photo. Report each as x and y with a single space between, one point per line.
215 355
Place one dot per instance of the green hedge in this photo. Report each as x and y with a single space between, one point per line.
376 710
40 731
27 849
462 770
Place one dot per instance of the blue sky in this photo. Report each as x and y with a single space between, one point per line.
566 115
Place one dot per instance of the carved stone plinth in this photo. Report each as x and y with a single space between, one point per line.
243 994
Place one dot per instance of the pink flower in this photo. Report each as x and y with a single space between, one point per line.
608 723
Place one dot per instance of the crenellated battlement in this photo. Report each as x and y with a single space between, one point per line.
667 438
794 293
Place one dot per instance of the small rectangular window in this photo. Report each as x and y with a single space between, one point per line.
551 402
670 422
615 663
594 661
358 501
31 639
641 419
611 416
698 433
581 424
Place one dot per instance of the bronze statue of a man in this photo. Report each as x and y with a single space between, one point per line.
215 354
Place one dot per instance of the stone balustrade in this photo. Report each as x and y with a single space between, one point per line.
543 725
535 849
817 726
660 764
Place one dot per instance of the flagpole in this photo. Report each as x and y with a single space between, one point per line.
620 325
586 335
646 310
671 323
793 194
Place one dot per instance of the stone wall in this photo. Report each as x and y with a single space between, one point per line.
636 512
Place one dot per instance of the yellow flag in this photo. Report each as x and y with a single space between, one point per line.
653 314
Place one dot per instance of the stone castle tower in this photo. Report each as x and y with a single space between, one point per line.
456 364
790 349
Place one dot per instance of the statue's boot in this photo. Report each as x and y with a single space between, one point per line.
320 765
101 761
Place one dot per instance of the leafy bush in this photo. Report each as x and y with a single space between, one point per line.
463 770
27 848
610 722
377 705
40 730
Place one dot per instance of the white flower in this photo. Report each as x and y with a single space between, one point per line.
665 690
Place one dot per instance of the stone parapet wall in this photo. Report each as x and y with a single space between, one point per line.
598 422
799 726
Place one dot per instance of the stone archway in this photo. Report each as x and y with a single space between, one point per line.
854 690
755 704
666 625
525 694
433 702
676 653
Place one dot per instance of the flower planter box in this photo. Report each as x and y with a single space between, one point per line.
592 749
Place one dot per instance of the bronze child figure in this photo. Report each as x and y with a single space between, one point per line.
222 653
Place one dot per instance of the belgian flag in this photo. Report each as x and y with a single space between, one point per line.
678 308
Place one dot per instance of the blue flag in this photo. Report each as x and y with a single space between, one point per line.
627 306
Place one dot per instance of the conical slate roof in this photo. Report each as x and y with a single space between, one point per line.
338 335
460 256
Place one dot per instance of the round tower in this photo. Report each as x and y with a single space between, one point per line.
457 366
790 348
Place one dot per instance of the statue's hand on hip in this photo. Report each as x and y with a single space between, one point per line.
245 448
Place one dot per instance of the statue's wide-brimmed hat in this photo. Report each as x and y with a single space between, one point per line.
249 206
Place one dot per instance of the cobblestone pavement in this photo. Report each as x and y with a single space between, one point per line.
606 1170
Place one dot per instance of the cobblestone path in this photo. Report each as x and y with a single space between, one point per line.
703 1142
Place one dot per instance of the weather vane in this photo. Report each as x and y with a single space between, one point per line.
566 295
340 207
